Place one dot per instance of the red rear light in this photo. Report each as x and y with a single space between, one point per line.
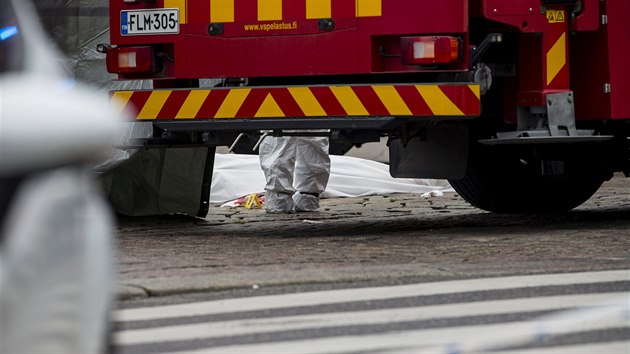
428 50
130 60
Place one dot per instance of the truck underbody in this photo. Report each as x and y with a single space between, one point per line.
522 105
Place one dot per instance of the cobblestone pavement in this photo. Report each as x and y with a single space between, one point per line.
354 239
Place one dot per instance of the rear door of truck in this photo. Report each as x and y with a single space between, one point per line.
254 38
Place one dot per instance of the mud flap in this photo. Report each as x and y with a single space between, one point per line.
436 152
162 181
206 184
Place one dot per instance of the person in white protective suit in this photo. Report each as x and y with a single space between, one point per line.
296 170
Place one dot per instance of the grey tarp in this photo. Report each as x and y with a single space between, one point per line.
145 182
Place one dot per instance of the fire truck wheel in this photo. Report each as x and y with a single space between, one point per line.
501 180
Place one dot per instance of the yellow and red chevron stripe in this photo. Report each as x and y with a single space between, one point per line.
272 10
452 100
556 58
556 48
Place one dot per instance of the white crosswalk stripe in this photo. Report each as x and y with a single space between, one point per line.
251 326
365 294
509 323
622 347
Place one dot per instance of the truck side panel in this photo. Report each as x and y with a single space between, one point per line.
600 76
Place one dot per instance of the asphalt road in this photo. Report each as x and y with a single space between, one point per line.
377 238
380 274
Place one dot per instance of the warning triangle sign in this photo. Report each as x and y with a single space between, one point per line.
560 16
269 108
556 16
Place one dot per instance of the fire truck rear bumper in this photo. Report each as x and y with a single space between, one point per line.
379 106
243 124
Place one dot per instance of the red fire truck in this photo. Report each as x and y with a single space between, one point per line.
523 105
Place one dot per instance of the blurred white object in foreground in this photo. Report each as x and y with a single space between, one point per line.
56 271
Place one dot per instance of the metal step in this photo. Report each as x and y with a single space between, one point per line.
544 137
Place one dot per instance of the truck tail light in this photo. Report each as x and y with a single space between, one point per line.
429 50
130 60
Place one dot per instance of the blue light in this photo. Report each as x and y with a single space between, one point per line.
8 32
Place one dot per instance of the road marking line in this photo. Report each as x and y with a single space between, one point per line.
621 347
364 294
346 319
433 341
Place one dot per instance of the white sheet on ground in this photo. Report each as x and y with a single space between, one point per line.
238 175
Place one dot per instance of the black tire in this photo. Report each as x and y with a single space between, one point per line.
509 179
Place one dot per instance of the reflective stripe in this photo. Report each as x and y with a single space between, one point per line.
154 104
193 104
221 11
476 90
556 58
369 8
269 10
317 101
349 100
318 9
178 4
232 103
392 100
307 101
119 100
438 102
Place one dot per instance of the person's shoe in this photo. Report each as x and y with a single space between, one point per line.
278 202
306 211
306 202
279 211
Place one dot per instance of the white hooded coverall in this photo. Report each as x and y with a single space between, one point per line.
296 170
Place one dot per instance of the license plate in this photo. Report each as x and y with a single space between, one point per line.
162 21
